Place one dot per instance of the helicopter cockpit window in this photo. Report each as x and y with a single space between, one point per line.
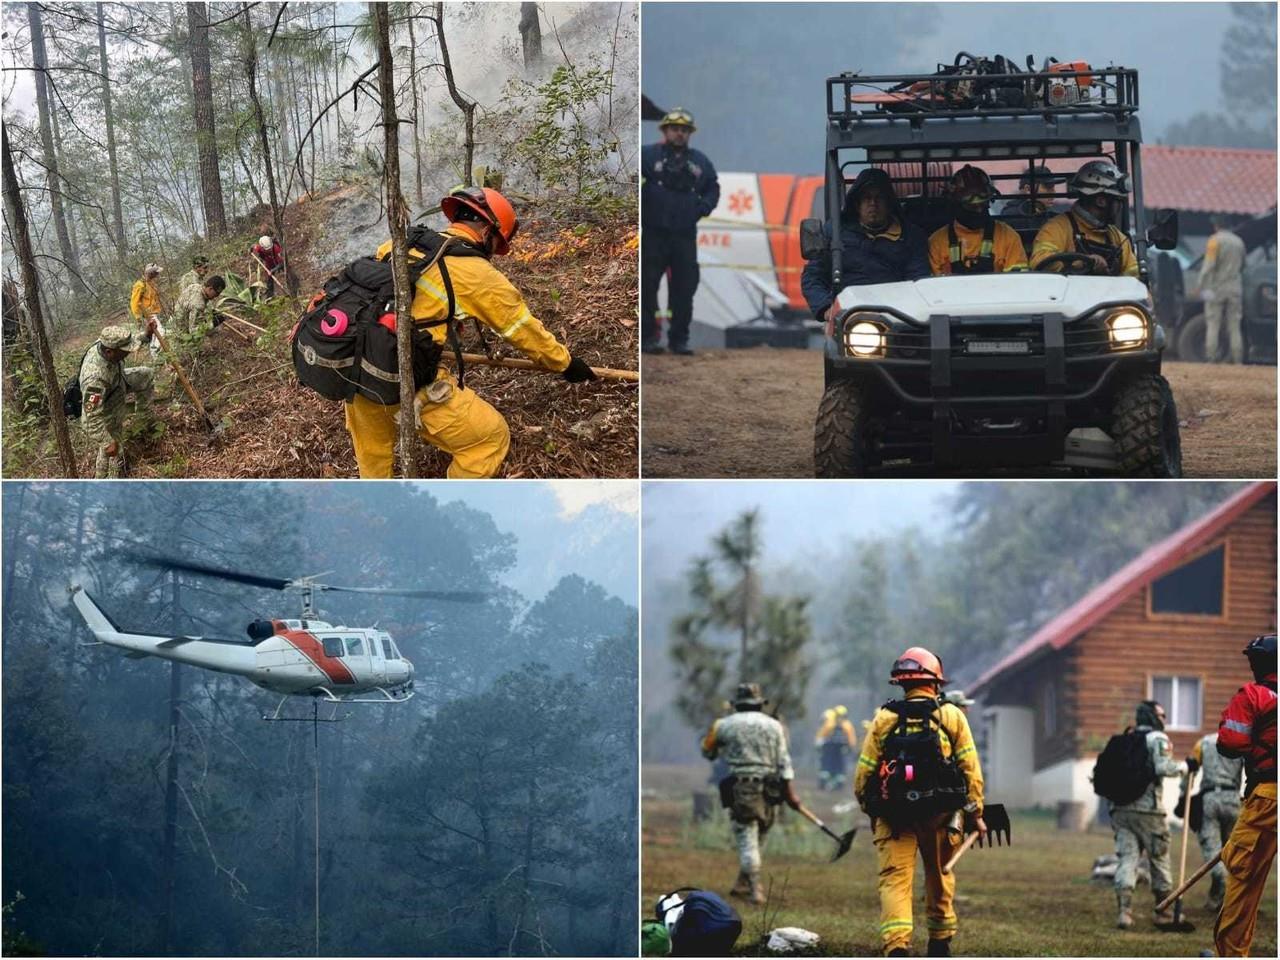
332 646
355 647
386 648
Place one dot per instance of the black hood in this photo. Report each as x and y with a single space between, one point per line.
1146 715
871 176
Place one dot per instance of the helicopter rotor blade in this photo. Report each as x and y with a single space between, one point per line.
456 596
253 580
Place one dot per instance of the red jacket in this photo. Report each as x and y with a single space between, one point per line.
1248 729
270 257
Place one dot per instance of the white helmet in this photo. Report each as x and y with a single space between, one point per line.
265 242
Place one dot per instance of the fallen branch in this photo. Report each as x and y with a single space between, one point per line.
480 360
260 373
232 316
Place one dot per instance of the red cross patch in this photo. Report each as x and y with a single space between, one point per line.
93 400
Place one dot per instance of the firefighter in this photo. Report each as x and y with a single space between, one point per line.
1219 807
104 383
835 740
679 187
754 746
1035 194
1248 731
1222 290
974 241
904 823
144 302
1090 226
192 306
267 256
1140 827
878 245
451 416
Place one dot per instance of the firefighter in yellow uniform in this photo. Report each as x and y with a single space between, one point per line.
974 241
884 787
1089 227
835 740
144 301
451 417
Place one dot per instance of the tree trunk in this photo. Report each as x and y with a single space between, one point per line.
397 219
122 248
40 61
171 787
21 235
215 215
417 115
530 35
70 209
467 107
277 215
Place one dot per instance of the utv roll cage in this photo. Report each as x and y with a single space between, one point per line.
980 117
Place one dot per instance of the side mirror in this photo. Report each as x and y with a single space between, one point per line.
1163 232
813 242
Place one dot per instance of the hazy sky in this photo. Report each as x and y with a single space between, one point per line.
753 73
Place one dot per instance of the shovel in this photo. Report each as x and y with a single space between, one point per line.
996 818
215 427
604 373
1180 923
843 841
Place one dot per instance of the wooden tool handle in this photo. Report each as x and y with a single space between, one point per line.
968 842
480 360
1186 826
1191 882
182 377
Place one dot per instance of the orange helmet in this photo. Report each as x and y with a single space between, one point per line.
487 205
917 663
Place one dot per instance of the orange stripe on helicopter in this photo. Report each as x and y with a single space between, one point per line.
313 650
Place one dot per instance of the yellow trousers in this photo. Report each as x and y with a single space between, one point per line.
1247 855
897 860
462 425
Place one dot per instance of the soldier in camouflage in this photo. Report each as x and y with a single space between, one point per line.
1220 798
754 746
192 308
1140 826
104 382
199 268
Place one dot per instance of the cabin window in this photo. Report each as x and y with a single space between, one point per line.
332 646
1196 588
1049 711
386 648
355 647
1181 699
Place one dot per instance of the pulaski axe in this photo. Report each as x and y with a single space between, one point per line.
843 840
996 818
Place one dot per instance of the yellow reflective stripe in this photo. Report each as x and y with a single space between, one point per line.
426 285
898 924
943 924
966 750
865 761
524 318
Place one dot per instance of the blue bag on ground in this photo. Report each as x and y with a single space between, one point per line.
705 926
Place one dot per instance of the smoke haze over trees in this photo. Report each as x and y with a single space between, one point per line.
486 816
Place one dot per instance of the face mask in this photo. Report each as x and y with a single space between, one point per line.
1096 218
971 218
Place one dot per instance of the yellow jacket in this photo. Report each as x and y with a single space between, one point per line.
483 293
956 739
145 300
1005 243
1057 236
829 726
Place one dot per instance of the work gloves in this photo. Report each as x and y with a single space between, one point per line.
1192 765
578 371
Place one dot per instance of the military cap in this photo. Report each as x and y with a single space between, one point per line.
749 695
116 338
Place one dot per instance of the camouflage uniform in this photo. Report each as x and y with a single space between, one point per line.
103 385
1220 795
1140 828
754 745
192 308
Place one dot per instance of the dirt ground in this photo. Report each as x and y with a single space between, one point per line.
1032 899
749 413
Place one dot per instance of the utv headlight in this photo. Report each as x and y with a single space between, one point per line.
1127 328
864 338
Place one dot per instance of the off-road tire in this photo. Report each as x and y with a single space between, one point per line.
839 433
1144 428
1191 339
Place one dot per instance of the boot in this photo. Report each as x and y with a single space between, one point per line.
681 350
757 890
938 948
898 952
742 886
1124 899
653 348
1163 918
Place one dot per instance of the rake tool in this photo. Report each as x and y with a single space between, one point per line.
996 818
1191 881
843 840
215 427
1180 923
480 360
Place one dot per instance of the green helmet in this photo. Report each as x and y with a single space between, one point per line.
678 117
116 338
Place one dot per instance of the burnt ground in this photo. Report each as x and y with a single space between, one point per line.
579 279
749 413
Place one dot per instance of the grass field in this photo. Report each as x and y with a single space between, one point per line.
1032 899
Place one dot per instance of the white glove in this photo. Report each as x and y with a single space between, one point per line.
1206 295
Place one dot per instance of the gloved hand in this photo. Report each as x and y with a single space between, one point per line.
113 448
1192 765
578 371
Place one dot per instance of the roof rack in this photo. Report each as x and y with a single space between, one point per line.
914 99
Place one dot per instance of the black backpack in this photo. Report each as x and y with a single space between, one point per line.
915 781
1124 769
339 347
72 397
708 927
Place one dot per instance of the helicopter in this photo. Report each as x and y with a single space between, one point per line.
302 656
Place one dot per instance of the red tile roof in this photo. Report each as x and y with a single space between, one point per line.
1200 179
1152 563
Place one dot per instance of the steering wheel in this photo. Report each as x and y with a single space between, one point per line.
1071 262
